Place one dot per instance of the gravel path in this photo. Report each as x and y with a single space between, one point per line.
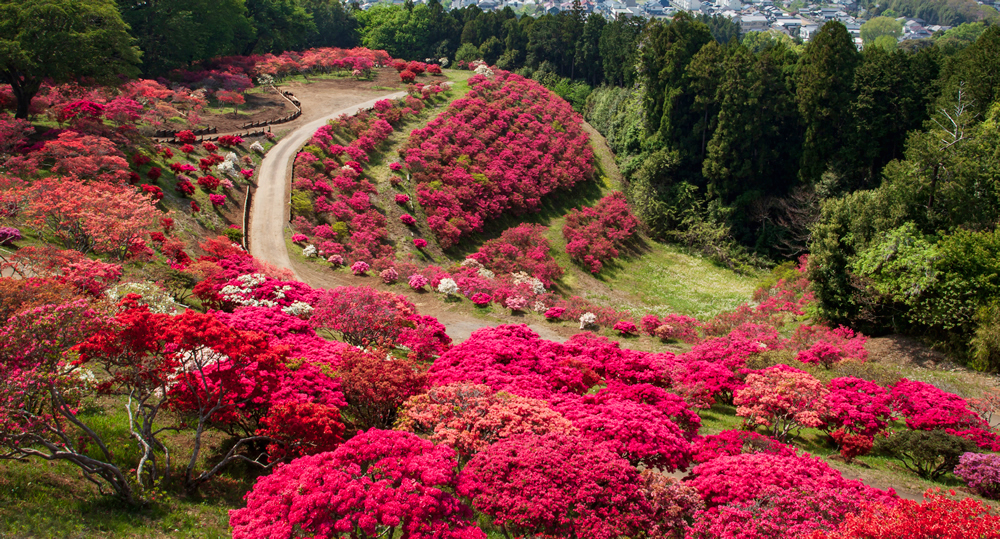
269 211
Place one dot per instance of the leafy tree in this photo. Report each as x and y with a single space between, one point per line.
279 25
974 74
209 28
61 40
877 27
335 23
824 90
619 51
929 454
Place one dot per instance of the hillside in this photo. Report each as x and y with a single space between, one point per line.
445 319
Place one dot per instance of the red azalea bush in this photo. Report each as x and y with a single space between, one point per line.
521 248
926 407
735 442
852 445
556 485
407 76
742 478
857 405
594 235
407 219
783 398
375 388
402 198
378 480
940 516
497 150
419 243
481 300
217 200
228 141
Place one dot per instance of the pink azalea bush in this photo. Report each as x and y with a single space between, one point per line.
511 155
407 219
857 405
389 275
671 327
419 243
402 198
359 268
558 485
521 248
417 281
594 235
377 480
782 398
217 200
625 328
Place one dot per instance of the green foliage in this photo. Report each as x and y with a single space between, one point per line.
824 90
467 53
975 71
62 40
929 454
944 12
985 344
209 28
301 203
877 27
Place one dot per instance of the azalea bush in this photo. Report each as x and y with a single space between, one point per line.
782 398
594 235
376 481
981 472
489 154
521 248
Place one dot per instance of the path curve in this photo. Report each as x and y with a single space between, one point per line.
268 213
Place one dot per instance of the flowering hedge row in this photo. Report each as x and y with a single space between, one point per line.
594 235
331 196
500 149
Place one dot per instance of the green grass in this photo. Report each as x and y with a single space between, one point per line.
667 280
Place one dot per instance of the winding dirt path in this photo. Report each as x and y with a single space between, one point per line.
269 211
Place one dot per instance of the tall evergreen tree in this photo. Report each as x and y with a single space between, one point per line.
825 90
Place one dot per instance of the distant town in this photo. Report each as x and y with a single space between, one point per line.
796 19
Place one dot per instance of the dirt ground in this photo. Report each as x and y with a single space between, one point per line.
315 96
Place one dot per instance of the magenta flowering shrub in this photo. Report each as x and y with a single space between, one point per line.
417 281
981 472
558 485
594 235
513 359
626 328
501 148
745 477
419 243
9 234
610 361
777 512
821 345
481 299
407 219
782 398
402 198
639 432
359 268
521 248
376 480
217 200
858 406
734 442
299 238
555 313
395 166
926 407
